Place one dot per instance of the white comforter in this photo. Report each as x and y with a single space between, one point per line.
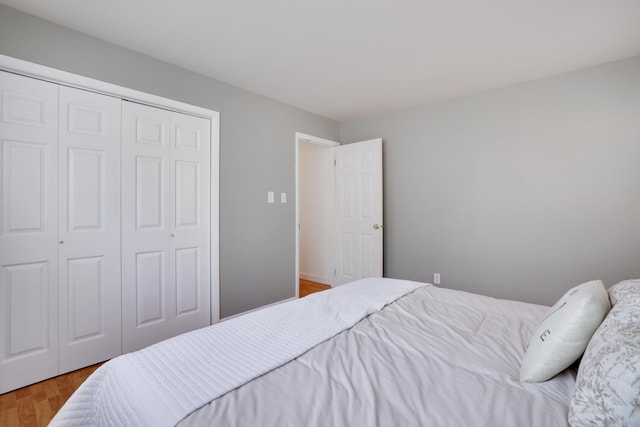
160 385
435 357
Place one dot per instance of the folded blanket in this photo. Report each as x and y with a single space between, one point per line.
163 383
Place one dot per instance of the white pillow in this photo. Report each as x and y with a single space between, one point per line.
565 332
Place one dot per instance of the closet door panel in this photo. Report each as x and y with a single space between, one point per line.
150 287
28 231
89 224
86 190
190 244
150 193
188 281
85 282
148 293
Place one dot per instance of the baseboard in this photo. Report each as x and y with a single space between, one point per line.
317 279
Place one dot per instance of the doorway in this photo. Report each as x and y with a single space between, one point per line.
314 210
339 204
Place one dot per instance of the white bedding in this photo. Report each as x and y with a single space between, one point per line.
160 385
435 357
431 356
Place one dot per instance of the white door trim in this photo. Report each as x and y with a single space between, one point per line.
30 69
299 138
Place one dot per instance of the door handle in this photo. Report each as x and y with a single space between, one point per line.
377 226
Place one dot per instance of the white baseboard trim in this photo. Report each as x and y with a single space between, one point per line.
318 279
258 308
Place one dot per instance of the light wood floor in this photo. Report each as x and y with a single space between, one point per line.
36 404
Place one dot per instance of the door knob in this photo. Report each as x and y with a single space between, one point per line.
377 226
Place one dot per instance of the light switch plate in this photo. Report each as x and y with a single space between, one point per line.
270 197
283 197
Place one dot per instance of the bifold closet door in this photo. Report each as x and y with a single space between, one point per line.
165 224
190 219
89 228
28 234
145 226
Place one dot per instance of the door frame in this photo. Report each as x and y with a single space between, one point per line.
299 139
53 75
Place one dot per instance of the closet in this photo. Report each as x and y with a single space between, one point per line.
105 227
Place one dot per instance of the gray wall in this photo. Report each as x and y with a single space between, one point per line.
519 192
257 150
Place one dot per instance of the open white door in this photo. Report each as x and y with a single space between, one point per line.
358 210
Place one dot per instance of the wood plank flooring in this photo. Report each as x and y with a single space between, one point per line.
308 287
35 405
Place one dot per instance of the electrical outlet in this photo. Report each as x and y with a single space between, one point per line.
436 278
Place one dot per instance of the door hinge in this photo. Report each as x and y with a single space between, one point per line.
334 162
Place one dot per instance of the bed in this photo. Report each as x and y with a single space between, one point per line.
373 352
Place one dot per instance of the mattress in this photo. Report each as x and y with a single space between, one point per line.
420 355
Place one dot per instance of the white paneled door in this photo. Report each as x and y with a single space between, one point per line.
146 230
190 206
165 224
358 209
28 234
89 228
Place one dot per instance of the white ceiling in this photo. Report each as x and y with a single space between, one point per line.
346 59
